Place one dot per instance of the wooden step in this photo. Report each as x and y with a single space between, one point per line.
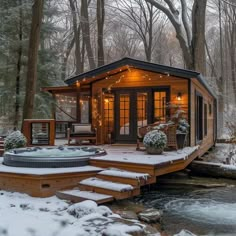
79 196
126 177
117 190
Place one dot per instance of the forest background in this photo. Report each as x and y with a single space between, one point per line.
43 42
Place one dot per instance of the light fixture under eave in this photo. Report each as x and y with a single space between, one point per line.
179 96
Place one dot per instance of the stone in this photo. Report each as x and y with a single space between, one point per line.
185 232
150 215
130 215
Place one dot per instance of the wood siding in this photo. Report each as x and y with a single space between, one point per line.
134 78
208 99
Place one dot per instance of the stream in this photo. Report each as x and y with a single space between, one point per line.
201 211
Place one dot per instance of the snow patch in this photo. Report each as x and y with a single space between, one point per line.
27 216
124 174
95 182
87 207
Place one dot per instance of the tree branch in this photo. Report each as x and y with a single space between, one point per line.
185 21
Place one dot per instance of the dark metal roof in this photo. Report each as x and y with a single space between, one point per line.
188 74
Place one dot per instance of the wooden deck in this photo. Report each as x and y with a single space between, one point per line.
118 175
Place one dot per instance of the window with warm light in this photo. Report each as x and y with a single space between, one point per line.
160 106
108 116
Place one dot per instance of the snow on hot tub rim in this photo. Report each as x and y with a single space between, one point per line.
17 151
15 157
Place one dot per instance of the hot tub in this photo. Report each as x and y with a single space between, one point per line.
51 157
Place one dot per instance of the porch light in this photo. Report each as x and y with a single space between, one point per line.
179 96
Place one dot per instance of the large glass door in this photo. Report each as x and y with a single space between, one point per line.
125 117
137 108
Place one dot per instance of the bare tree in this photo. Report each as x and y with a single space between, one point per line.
19 65
191 40
140 16
123 42
230 40
77 37
84 21
37 15
100 28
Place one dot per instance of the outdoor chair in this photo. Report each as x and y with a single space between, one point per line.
81 132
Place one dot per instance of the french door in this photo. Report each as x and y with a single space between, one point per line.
137 108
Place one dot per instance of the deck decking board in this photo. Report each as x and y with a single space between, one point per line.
45 185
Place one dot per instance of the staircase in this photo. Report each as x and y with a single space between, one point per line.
108 185
1 146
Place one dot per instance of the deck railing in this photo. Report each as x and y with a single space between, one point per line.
39 132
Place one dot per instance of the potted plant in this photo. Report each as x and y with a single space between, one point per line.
182 125
155 141
181 132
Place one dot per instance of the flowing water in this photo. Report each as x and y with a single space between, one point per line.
201 211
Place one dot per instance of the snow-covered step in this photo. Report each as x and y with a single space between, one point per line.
117 190
126 177
79 196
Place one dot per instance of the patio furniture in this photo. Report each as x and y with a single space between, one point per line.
141 133
81 132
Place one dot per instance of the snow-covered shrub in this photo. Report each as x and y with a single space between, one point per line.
156 139
15 140
87 207
229 131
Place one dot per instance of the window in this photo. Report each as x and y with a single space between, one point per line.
66 107
124 114
205 119
142 102
108 116
199 117
160 106
210 108
84 108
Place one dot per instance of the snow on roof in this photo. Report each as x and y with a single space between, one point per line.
138 157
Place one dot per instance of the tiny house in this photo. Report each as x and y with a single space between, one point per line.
120 97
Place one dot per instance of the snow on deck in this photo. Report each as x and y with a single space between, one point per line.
124 174
95 182
45 171
123 154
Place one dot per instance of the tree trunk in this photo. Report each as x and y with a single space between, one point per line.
37 15
198 35
65 58
84 22
17 102
100 26
194 53
76 30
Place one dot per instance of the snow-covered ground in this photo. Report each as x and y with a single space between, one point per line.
223 153
21 215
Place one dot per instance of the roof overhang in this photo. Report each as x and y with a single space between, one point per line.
127 63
